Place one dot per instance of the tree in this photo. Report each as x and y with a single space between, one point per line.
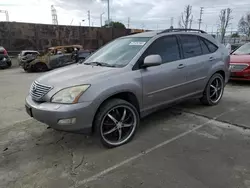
116 25
244 25
235 35
225 17
186 19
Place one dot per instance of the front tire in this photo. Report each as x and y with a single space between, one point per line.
116 122
214 90
40 67
9 64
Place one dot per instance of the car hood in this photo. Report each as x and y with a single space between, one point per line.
75 75
240 59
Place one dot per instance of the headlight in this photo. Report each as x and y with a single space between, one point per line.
69 95
4 59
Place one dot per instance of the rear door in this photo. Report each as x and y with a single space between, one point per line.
68 56
196 59
165 83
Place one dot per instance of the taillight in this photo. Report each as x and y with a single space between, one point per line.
5 52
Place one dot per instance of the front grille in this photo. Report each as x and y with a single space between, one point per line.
38 91
238 67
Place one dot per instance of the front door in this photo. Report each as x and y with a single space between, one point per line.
165 83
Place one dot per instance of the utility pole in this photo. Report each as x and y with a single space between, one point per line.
128 22
172 22
108 14
89 17
6 14
54 15
101 19
190 24
200 20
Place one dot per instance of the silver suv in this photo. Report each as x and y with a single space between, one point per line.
128 79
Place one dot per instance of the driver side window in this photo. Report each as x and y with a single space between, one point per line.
167 47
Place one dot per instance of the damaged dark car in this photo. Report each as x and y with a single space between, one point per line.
5 61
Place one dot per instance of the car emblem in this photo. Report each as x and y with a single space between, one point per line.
34 88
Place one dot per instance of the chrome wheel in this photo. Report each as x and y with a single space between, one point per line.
118 125
216 90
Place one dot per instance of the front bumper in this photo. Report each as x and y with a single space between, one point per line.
243 75
25 65
5 63
51 113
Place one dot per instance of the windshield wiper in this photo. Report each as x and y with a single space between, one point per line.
95 63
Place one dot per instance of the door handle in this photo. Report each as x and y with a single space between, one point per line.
181 66
211 58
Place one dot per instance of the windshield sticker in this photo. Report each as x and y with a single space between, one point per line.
137 43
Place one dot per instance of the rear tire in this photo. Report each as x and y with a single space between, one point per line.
116 122
213 91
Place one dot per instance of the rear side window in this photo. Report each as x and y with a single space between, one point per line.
204 47
191 46
212 47
167 47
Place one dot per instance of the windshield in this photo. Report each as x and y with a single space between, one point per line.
243 50
119 52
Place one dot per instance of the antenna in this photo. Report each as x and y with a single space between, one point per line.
54 15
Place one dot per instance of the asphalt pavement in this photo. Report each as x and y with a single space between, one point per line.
189 145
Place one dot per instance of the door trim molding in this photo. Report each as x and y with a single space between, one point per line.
177 85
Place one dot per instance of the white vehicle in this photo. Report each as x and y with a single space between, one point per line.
23 54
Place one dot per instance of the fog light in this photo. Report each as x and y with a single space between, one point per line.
67 121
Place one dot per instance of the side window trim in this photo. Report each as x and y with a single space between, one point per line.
180 47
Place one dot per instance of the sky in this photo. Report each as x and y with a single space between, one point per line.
143 14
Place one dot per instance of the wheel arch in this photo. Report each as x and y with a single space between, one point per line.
128 96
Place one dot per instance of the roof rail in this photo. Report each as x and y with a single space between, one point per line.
180 29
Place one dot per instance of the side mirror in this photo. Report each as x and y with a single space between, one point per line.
152 60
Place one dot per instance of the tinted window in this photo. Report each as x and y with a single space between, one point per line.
69 50
204 47
212 48
84 54
166 47
191 46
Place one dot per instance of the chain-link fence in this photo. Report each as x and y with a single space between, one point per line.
231 37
